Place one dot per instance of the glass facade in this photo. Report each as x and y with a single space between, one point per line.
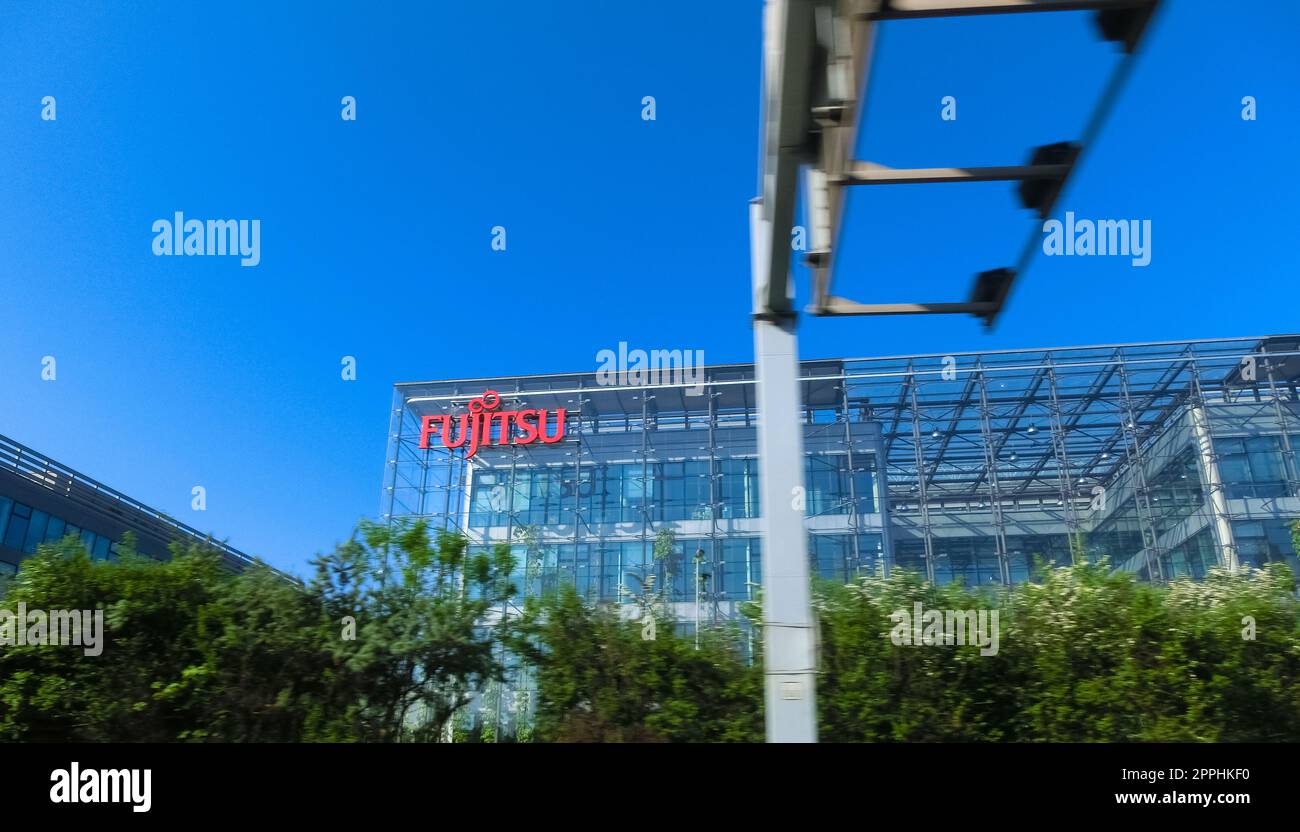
44 501
1164 459
1264 541
23 528
666 491
1256 466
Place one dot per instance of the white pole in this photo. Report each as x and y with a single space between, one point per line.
697 600
788 635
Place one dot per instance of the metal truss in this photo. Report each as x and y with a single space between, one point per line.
818 54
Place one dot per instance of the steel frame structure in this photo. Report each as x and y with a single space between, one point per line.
816 56
1029 428
982 460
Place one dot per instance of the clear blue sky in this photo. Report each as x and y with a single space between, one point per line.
376 237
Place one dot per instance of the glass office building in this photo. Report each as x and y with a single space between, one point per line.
43 501
1166 458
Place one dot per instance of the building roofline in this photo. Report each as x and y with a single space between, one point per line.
1175 343
1013 351
44 471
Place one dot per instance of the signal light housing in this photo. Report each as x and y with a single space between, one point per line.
1040 194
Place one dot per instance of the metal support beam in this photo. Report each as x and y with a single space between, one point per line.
922 478
788 28
1059 432
1289 459
869 173
1142 493
918 9
789 635
995 491
1207 459
840 307
826 97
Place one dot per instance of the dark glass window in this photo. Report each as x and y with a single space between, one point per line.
1252 466
742 572
684 490
17 531
1263 541
36 531
6 505
834 483
739 491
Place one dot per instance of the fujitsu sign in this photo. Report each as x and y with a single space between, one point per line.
514 427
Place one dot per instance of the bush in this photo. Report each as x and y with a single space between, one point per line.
599 680
382 645
396 628
1084 656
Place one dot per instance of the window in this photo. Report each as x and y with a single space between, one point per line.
620 492
739 492
1252 466
1191 559
35 531
613 559
490 501
841 557
17 531
23 528
742 571
1263 541
685 490
834 484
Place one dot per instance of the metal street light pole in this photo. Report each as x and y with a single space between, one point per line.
788 638
816 57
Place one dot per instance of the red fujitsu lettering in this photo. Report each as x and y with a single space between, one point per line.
529 429
462 434
474 430
480 417
430 426
503 420
559 418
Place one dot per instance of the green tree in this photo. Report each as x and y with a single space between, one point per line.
1085 655
385 643
599 680
154 616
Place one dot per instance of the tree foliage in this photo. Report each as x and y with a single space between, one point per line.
396 630
1084 655
383 644
600 680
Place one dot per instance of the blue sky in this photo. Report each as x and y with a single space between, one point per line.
182 371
